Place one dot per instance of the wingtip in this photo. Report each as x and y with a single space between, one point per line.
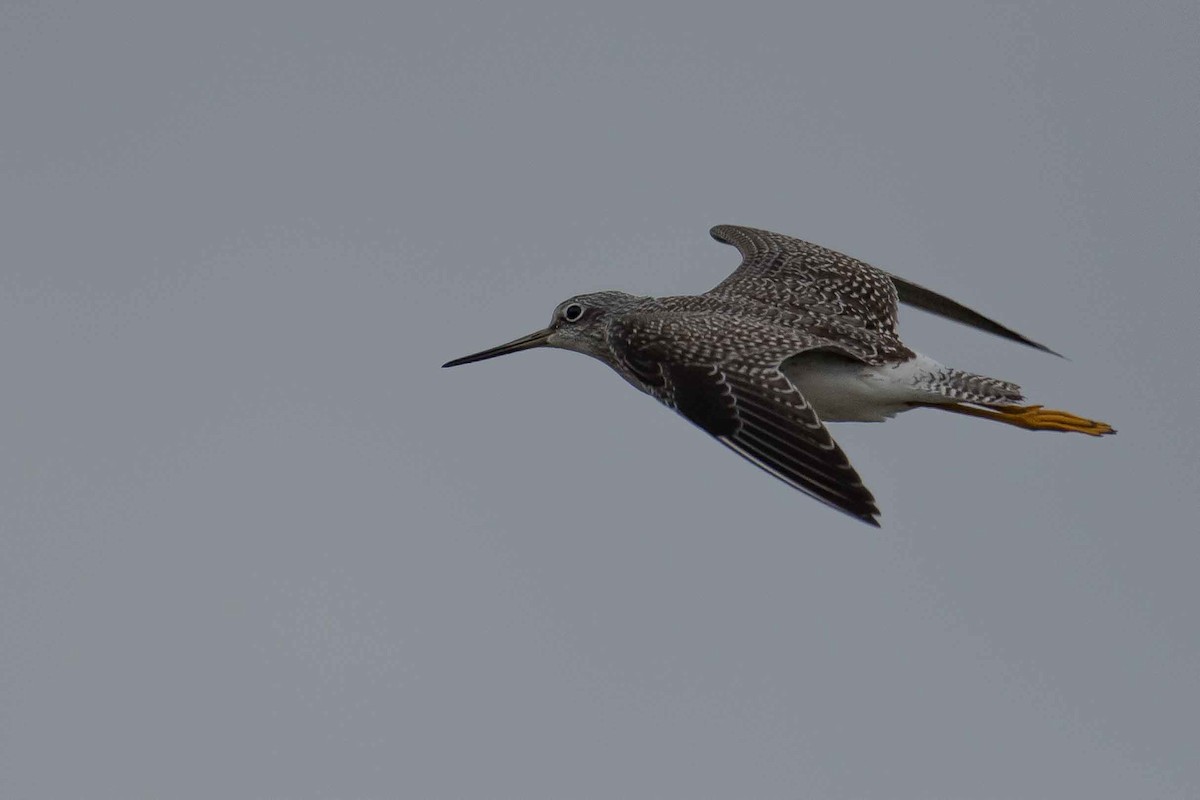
1044 349
868 513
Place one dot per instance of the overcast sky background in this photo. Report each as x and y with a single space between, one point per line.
254 543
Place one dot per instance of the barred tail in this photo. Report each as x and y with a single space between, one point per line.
966 387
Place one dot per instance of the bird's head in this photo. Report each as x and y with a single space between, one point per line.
579 323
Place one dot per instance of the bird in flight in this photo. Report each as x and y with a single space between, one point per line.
797 336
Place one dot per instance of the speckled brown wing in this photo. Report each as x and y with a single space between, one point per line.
787 272
790 273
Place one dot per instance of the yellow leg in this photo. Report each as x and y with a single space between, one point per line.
1034 418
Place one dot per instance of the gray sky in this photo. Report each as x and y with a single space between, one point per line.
254 543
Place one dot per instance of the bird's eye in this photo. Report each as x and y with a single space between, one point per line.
572 312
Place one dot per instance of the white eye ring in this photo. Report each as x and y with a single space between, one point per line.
572 312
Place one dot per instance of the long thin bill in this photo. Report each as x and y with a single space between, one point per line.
536 339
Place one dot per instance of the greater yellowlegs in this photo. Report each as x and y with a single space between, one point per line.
797 336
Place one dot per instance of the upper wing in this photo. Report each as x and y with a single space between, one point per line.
760 415
781 270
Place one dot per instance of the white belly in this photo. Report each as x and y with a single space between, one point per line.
843 390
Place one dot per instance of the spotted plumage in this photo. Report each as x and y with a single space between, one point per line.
796 336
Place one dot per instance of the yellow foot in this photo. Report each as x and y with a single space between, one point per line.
1037 418
1034 418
